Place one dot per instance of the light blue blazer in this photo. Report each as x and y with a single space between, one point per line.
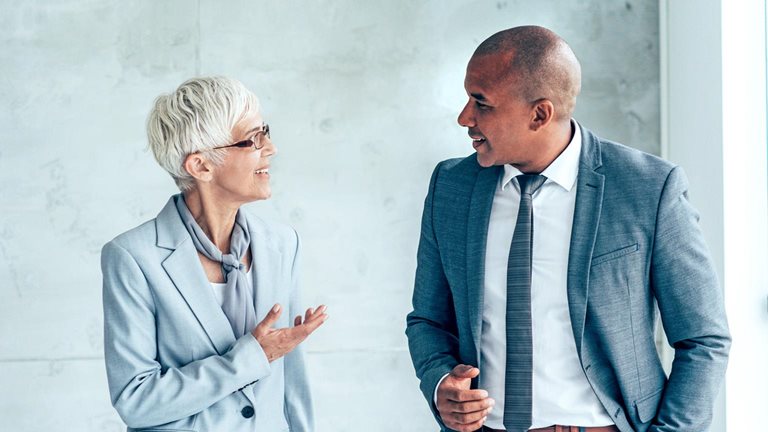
173 362
636 243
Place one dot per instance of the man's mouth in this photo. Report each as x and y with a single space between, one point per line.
264 171
477 141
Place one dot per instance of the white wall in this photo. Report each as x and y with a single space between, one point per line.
362 98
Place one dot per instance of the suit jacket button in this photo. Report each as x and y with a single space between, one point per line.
247 412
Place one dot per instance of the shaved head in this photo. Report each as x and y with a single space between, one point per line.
540 64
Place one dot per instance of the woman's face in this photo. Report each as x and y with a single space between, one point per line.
244 174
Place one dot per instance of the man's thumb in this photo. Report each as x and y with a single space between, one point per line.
465 371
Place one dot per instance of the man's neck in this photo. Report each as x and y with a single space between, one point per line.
555 142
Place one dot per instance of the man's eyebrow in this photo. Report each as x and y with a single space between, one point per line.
478 96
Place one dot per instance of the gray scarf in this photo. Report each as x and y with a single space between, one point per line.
238 299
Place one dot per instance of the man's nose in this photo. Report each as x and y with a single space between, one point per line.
466 116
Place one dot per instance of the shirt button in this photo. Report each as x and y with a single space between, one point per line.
247 412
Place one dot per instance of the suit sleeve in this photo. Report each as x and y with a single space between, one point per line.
693 314
431 326
298 403
141 391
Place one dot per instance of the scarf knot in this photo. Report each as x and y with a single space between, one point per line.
238 304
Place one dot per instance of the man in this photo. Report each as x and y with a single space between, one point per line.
540 261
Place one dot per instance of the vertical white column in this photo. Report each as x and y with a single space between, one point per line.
745 210
691 123
714 126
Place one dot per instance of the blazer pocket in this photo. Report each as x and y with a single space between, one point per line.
648 406
615 254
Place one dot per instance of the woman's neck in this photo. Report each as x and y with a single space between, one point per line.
216 217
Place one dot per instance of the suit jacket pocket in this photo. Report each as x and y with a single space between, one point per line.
648 406
615 254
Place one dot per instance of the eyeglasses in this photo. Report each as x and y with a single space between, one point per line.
257 141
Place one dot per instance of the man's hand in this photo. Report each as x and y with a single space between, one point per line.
460 408
279 342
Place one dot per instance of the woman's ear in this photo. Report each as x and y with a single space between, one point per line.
543 114
199 167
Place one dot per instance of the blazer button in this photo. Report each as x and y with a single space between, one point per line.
247 412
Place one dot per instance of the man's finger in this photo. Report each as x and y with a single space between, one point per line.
472 406
463 395
469 418
469 427
271 317
297 321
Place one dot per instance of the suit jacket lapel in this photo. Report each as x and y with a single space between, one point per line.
480 205
589 203
189 278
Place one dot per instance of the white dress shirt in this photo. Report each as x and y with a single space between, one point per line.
561 392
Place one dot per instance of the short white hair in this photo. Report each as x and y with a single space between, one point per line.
196 117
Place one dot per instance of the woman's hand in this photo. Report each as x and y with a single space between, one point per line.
279 342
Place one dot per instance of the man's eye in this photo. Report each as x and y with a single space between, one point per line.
482 106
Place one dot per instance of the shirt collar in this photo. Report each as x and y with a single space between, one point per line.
563 170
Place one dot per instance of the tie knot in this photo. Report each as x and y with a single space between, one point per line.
530 183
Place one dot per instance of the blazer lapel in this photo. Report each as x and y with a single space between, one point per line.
266 263
190 280
480 205
586 217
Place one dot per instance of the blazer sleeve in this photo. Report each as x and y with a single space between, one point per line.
298 401
690 300
431 327
141 391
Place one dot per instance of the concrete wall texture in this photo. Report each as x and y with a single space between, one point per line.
362 98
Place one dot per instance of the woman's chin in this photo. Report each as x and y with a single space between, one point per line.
262 194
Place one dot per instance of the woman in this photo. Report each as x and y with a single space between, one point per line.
182 292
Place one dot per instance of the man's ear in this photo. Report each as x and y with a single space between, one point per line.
198 167
543 114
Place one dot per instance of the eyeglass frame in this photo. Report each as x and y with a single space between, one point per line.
251 142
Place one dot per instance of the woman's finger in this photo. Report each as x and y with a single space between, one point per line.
271 318
316 314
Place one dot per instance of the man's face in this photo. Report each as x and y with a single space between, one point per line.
496 116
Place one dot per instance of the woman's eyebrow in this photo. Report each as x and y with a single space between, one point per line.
257 128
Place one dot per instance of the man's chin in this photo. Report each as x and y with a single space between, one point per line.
484 160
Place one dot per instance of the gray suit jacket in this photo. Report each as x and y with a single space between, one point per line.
635 243
173 362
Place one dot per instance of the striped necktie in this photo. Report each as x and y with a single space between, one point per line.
519 368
